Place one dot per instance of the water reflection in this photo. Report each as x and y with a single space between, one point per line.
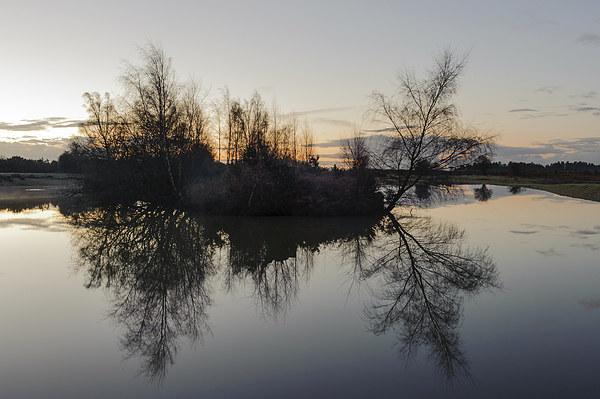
155 263
158 264
516 190
483 194
425 271
277 253
425 194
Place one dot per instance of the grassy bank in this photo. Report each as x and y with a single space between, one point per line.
584 190
38 179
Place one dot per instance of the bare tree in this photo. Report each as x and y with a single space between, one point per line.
194 117
355 153
153 94
428 135
101 130
307 141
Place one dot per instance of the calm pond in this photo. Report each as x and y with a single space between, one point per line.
490 294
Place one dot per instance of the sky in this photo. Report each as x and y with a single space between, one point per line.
532 78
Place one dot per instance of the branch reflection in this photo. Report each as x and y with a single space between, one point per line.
424 271
158 266
276 254
156 263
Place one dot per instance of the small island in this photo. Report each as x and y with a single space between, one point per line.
152 144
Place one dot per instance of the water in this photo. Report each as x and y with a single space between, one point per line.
475 297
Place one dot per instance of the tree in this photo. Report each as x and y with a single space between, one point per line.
153 139
102 128
153 94
428 135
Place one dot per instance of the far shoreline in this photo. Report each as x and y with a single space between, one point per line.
581 189
40 185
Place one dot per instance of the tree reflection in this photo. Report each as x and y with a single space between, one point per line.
516 190
156 263
483 193
276 254
424 270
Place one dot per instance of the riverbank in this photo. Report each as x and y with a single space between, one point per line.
587 190
26 190
38 180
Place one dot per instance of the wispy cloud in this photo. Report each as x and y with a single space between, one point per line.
590 304
589 39
25 127
529 18
36 125
581 149
549 252
539 112
523 110
371 141
322 111
31 224
384 130
589 94
547 89
586 108
49 119
334 122
35 148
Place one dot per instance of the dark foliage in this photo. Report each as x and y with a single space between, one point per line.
557 171
18 164
277 187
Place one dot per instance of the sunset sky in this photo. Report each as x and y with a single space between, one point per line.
533 73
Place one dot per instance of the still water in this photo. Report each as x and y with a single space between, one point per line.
489 294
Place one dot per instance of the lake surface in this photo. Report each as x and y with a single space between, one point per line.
489 294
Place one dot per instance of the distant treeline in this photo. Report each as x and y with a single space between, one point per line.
18 164
530 169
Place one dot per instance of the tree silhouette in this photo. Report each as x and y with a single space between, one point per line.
483 193
428 135
424 271
156 263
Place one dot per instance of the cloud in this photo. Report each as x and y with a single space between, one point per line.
322 111
523 232
370 141
529 19
589 94
590 304
266 89
584 234
384 130
389 129
589 39
334 122
35 148
28 223
36 125
549 252
530 113
523 110
594 110
337 155
49 119
547 89
592 247
25 127
587 232
585 149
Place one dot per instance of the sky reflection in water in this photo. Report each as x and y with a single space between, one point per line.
229 306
